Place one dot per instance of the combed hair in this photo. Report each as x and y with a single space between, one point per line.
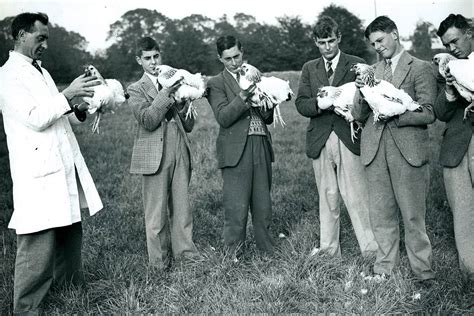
226 42
381 24
26 21
325 27
145 43
456 20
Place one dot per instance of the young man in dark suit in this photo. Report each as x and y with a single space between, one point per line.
395 154
161 154
457 148
244 152
336 162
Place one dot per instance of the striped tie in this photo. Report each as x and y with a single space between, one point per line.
387 72
330 72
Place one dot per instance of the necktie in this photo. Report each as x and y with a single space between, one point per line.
237 75
35 64
387 72
330 72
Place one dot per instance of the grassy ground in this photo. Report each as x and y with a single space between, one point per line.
115 259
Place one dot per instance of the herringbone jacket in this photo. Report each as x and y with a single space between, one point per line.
149 107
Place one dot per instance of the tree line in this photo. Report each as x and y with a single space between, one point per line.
189 43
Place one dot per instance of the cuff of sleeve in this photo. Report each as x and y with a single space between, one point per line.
450 97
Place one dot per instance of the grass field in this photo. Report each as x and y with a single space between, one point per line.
115 259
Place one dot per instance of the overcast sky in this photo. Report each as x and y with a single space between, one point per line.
92 18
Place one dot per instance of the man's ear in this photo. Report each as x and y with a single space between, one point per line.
138 59
395 35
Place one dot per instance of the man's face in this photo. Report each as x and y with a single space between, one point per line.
149 60
385 44
329 46
34 43
232 59
458 43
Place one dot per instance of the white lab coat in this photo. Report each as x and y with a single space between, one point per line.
43 151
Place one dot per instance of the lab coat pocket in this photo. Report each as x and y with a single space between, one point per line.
45 160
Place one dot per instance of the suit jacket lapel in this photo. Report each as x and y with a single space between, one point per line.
148 86
320 72
230 82
403 67
341 69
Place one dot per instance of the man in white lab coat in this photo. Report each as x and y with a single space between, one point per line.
51 181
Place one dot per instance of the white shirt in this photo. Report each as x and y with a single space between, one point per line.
334 61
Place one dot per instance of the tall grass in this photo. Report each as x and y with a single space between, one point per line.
115 260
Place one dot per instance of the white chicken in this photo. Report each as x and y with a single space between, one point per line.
107 96
383 98
341 99
463 72
192 86
269 91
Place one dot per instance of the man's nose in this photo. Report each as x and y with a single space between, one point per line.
452 47
326 45
45 45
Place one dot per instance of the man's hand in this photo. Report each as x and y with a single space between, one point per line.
170 91
449 83
247 93
82 86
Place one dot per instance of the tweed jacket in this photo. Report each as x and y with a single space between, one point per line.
323 122
458 132
149 108
409 130
233 116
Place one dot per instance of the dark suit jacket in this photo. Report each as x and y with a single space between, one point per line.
149 108
322 123
458 132
233 116
409 130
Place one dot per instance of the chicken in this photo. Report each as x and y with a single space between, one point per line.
341 100
383 98
463 72
269 92
192 85
107 96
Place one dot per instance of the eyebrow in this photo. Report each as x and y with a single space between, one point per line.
235 56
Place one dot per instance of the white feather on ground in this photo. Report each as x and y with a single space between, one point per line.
192 87
463 72
383 98
341 99
107 96
269 92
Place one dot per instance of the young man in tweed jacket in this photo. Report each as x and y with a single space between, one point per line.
161 154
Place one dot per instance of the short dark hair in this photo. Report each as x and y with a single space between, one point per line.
26 21
456 20
381 24
325 27
145 43
226 42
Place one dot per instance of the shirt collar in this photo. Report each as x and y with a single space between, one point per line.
17 55
232 74
153 79
334 61
395 59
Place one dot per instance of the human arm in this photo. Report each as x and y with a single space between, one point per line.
226 111
306 102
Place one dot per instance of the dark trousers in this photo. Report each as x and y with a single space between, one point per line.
44 256
247 185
